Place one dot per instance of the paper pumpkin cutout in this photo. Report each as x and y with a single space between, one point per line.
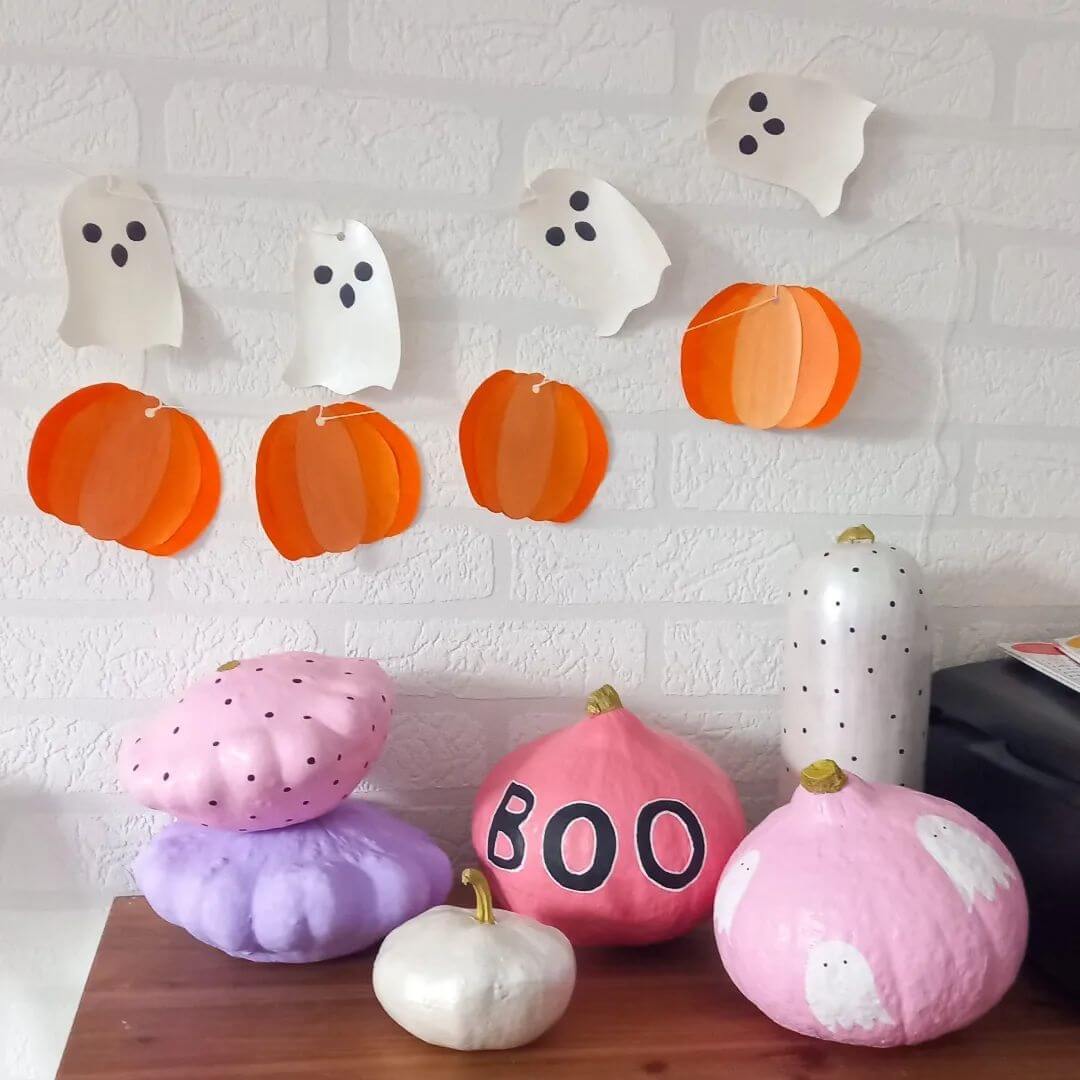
124 467
770 356
332 477
531 447
348 336
799 133
122 286
595 241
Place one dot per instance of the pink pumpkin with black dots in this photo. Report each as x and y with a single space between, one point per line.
262 743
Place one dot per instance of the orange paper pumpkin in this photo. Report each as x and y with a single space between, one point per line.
770 356
532 448
124 467
332 477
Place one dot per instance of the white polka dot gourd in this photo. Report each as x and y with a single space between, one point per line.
857 663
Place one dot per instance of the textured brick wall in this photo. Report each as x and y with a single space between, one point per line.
423 117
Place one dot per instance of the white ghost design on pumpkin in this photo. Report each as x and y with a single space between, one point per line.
347 332
590 236
122 285
732 889
840 988
970 863
785 129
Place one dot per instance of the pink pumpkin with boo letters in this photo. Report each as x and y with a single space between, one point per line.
612 832
870 914
262 743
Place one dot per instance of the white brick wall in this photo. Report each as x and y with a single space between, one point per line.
423 117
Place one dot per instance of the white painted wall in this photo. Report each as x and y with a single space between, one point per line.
422 117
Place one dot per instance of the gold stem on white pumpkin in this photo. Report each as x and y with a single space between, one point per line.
823 777
855 535
606 699
472 876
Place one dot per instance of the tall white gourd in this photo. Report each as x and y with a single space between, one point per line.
857 663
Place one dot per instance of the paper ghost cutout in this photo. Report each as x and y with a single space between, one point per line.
732 889
840 988
122 287
591 237
969 862
347 334
799 133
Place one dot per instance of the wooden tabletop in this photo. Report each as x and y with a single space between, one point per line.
159 1004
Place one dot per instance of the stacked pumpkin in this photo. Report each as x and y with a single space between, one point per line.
267 861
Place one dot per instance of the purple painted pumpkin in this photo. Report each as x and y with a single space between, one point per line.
313 891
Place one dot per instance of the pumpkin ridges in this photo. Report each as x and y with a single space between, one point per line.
481 428
379 469
766 360
68 450
409 474
850 359
126 469
277 490
526 446
206 501
596 463
176 492
569 458
708 351
819 363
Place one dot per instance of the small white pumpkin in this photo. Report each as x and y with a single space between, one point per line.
484 981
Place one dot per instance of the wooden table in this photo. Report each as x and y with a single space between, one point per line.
158 1004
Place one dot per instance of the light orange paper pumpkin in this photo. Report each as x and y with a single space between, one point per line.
124 467
330 480
532 448
770 356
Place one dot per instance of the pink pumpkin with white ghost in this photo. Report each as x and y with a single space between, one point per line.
612 832
870 914
262 743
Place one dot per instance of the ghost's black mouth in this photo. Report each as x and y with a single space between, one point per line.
119 254
348 297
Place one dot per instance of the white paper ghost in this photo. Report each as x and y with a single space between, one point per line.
591 237
800 133
840 988
970 863
732 889
347 332
122 287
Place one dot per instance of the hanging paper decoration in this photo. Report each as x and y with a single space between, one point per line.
124 467
332 477
531 447
347 332
595 241
857 662
770 356
799 133
122 286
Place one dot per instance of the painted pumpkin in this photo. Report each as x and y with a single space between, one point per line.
871 914
770 356
485 981
609 830
332 477
857 662
314 891
261 743
531 447
123 467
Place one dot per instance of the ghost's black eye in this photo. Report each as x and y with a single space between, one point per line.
758 102
774 126
584 230
363 271
554 236
136 231
748 144
323 274
579 200
91 232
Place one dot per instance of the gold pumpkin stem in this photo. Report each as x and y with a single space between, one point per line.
472 876
823 777
606 699
229 665
856 534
